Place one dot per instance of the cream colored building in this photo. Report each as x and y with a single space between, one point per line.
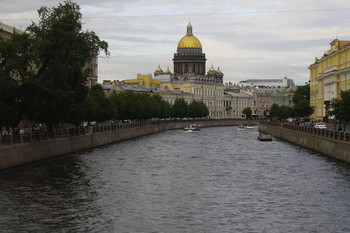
211 93
6 31
328 76
235 103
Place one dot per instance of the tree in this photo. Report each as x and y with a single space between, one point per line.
275 111
204 111
301 100
281 112
248 112
340 108
285 112
51 64
98 106
10 107
149 106
180 108
166 109
194 109
14 63
302 92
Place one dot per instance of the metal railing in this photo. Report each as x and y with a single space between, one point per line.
37 135
337 135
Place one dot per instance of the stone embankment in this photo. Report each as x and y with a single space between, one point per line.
16 150
329 142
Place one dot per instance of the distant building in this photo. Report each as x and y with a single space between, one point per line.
168 95
274 83
264 99
7 31
235 103
328 76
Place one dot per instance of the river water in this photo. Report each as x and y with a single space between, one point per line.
215 180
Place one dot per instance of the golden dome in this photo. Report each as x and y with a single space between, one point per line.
168 71
189 41
159 69
212 68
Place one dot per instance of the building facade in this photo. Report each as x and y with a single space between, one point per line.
328 76
271 83
235 103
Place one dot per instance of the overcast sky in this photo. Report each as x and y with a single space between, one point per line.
250 39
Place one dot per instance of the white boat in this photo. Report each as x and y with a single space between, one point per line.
193 127
250 126
264 137
241 127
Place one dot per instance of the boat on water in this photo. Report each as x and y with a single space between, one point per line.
241 127
250 126
264 137
193 127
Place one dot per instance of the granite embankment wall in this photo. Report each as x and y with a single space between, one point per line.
42 146
328 142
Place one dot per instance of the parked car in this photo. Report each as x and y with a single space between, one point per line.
320 125
309 124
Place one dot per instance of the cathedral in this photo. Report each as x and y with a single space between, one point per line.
190 75
189 61
190 81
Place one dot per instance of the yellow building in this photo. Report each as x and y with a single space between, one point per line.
328 76
147 80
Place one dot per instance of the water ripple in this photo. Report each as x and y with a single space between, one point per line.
215 180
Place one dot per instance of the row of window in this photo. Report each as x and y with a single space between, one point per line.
208 92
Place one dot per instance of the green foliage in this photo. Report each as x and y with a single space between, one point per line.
99 107
197 109
50 65
248 112
303 108
281 112
180 108
302 92
10 106
340 108
166 109
274 110
286 112
301 100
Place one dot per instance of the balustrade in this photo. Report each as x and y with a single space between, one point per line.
342 136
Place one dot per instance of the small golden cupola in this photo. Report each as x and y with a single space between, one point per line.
219 74
168 71
211 72
158 71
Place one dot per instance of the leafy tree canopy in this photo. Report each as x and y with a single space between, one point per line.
180 108
248 112
51 64
340 108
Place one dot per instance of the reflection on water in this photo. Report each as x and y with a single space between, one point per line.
215 180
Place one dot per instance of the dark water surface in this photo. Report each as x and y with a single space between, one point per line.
216 180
